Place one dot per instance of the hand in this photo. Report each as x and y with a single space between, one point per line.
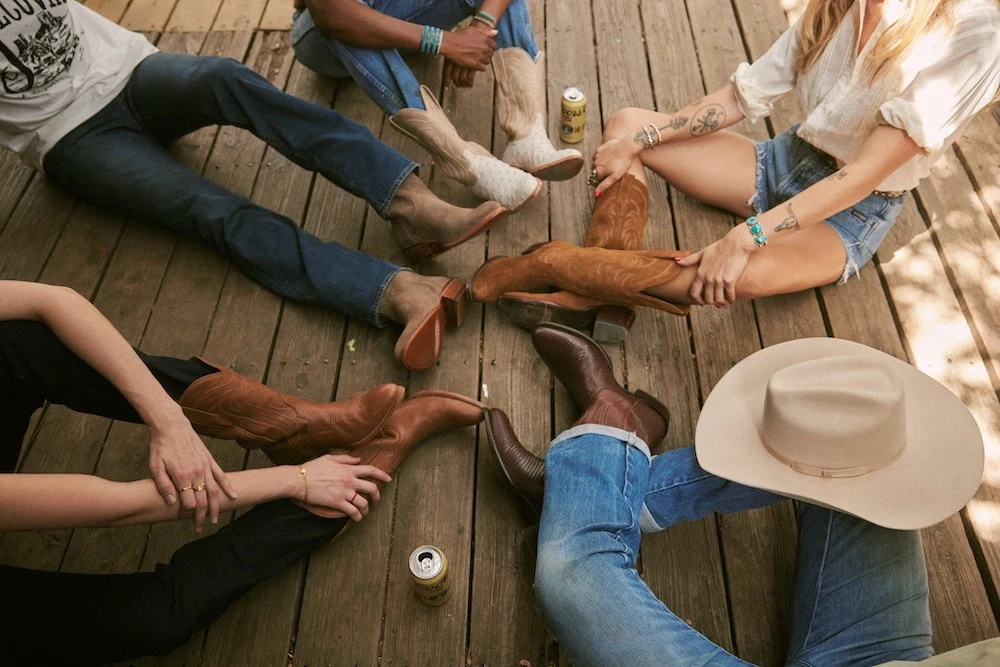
458 76
179 460
336 482
720 265
612 160
469 47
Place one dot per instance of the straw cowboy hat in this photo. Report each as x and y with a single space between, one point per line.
838 424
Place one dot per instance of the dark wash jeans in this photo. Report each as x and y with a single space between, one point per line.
117 159
72 619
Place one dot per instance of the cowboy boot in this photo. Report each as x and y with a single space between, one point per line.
465 161
591 277
423 415
521 113
286 428
525 471
424 225
618 222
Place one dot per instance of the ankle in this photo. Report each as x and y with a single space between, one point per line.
409 295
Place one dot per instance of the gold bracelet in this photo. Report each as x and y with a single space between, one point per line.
305 480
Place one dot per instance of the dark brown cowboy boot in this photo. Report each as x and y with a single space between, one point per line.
286 428
525 471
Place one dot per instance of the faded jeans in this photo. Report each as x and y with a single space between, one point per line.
860 590
382 73
117 159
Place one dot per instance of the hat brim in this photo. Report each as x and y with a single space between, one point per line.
939 471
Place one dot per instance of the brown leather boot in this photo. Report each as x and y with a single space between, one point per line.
423 415
596 277
286 428
524 470
424 225
618 222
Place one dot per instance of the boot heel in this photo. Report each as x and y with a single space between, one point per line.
655 404
612 323
455 302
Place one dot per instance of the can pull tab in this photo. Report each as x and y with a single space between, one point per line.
426 560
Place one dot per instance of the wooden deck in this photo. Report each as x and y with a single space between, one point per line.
932 297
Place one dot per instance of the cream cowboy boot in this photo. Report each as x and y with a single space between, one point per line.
521 112
465 161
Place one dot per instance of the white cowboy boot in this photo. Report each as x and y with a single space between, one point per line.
521 112
465 161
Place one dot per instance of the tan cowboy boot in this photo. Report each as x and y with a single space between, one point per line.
618 222
286 428
465 161
424 225
521 113
591 277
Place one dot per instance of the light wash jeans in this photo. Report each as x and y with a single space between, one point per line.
383 74
860 590
117 159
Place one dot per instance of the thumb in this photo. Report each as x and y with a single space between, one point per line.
605 184
690 260
493 33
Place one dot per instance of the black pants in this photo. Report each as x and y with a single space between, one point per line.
64 618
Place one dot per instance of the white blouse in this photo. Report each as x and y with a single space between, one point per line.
951 74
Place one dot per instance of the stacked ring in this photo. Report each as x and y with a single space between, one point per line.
200 487
186 488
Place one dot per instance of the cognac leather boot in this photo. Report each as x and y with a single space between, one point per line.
465 161
287 429
521 114
618 222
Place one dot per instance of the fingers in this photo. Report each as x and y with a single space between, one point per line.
731 292
212 498
492 43
469 78
223 480
345 459
201 507
605 184
372 471
350 510
163 482
719 293
697 286
369 489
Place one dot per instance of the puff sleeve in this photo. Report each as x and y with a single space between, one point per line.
759 85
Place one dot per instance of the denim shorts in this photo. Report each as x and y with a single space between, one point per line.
787 165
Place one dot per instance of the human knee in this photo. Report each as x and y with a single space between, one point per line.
213 70
624 122
560 577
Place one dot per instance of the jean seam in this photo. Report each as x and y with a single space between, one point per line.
383 206
819 582
680 483
371 79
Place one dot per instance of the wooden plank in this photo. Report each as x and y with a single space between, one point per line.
277 15
239 15
306 361
193 15
147 15
939 341
34 228
112 10
14 177
683 564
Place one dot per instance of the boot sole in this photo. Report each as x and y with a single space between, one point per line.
560 170
449 313
440 393
538 188
421 251
609 324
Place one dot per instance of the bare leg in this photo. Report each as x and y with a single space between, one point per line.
719 169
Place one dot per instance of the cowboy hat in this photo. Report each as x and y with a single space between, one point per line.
839 424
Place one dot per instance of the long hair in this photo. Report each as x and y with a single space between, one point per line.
823 17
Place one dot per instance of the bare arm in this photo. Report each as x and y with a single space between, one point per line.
712 113
178 457
357 24
47 502
723 262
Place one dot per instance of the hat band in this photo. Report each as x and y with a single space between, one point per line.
816 471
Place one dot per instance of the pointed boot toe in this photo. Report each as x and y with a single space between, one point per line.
524 470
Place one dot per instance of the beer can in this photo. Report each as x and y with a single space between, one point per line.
429 570
574 115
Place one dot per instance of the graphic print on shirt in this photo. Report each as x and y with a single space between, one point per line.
37 41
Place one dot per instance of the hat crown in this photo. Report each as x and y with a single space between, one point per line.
835 417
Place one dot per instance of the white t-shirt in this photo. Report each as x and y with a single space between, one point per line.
60 63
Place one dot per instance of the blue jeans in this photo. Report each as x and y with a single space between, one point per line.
787 165
383 74
117 159
860 590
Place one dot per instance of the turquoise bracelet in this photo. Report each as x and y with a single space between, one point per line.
488 18
759 237
430 40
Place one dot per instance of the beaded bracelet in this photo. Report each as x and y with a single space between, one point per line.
430 40
759 237
486 18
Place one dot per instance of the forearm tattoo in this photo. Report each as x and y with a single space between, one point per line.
708 119
791 221
648 139
839 176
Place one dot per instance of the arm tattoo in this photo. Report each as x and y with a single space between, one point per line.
790 222
675 123
708 119
839 176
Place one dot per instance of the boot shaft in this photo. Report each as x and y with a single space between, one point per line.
619 217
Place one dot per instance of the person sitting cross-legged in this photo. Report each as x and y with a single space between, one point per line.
871 448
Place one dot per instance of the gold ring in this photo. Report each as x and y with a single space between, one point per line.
186 488
200 487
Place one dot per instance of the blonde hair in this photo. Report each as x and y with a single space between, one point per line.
823 17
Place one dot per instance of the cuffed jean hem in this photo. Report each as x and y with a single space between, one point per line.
376 315
626 437
647 523
383 206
